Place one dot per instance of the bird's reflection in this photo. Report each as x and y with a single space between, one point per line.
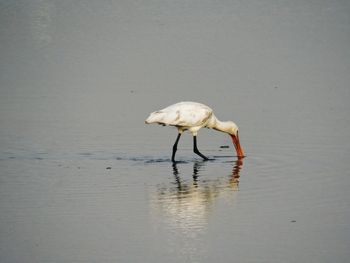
198 167
184 205
187 201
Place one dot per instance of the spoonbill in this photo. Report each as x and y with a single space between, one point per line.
193 116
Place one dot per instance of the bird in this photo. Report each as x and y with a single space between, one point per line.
193 116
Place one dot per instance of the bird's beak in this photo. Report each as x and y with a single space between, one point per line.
239 150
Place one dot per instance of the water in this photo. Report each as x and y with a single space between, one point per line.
83 179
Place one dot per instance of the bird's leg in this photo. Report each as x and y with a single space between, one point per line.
175 147
195 149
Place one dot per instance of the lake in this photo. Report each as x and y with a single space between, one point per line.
84 179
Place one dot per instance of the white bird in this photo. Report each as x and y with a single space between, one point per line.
193 116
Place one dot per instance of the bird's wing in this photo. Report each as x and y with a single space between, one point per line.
183 114
193 117
188 114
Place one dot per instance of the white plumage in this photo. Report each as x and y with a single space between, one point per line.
185 115
193 116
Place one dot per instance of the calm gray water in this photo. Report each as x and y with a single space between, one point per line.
83 179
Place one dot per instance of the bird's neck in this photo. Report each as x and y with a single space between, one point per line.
216 124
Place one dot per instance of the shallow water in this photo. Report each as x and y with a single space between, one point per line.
83 179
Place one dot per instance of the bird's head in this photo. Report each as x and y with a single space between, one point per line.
233 132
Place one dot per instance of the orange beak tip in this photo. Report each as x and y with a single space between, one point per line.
236 143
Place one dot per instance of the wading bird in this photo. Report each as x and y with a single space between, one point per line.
193 116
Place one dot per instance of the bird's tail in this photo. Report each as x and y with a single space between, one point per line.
155 117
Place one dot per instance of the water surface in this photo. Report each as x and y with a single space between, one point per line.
83 179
